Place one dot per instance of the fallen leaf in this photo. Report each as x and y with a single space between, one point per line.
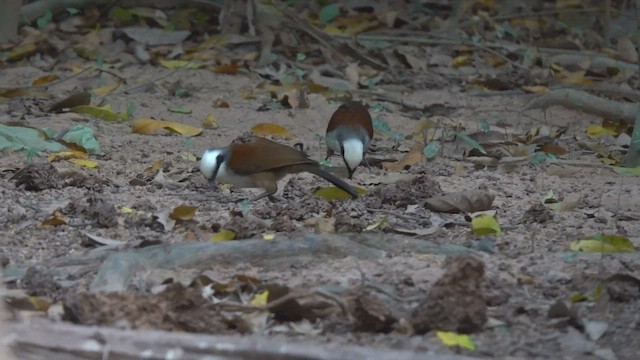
72 101
271 129
627 171
210 122
44 80
485 224
220 104
183 212
455 339
228 69
147 126
462 201
223 235
414 156
65 155
600 131
104 113
84 163
603 244
180 64
378 224
180 110
55 220
107 89
331 193
260 299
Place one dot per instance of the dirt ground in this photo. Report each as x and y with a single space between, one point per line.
511 292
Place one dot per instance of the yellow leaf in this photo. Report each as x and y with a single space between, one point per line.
183 212
268 236
210 122
103 113
331 193
44 80
485 224
39 304
600 131
460 60
175 64
260 299
56 219
413 157
454 339
223 235
126 210
604 244
107 89
148 126
65 155
271 129
378 224
85 163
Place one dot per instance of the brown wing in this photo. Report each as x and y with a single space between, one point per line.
351 114
255 154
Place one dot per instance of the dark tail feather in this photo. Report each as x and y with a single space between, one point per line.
332 179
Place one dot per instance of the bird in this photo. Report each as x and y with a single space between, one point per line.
256 162
349 133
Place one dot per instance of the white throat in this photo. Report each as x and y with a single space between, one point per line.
353 152
209 162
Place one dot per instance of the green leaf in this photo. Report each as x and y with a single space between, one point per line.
484 125
103 113
474 144
635 171
485 224
301 57
432 149
603 244
121 14
83 136
540 157
180 110
131 108
331 193
454 339
72 11
328 13
19 138
45 19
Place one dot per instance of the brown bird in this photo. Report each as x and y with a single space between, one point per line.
255 162
349 133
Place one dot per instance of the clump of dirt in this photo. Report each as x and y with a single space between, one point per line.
246 227
38 282
37 177
403 193
175 309
101 211
455 302
283 224
371 314
537 213
623 288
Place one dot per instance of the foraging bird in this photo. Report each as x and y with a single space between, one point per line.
255 162
349 133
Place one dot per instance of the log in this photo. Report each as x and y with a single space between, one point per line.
63 341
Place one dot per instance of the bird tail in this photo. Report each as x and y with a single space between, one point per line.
316 170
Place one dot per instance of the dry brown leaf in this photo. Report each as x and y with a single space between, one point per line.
229 69
56 219
77 99
413 157
183 212
44 80
463 201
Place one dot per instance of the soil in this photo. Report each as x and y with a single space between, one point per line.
512 292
